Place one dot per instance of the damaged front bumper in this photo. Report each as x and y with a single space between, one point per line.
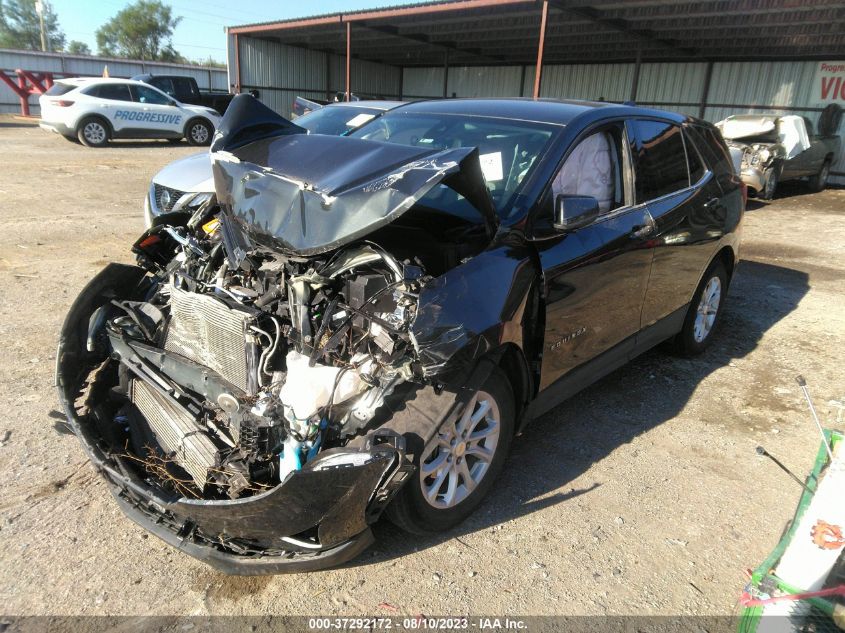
754 178
317 517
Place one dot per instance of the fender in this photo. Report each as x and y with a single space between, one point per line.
475 309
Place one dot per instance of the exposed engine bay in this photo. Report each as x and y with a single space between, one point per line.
243 373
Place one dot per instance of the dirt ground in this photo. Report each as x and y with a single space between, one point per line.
641 495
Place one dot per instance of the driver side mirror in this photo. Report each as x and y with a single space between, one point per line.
573 212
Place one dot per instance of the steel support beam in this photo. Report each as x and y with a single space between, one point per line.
705 89
538 72
237 65
446 74
635 81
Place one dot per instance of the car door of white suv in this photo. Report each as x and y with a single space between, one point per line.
153 114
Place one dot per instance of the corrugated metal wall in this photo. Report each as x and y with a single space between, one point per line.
214 78
734 86
281 73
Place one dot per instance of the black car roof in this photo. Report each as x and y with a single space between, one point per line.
556 112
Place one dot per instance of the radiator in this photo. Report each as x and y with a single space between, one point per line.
176 430
208 332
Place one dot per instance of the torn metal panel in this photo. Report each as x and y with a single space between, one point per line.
451 338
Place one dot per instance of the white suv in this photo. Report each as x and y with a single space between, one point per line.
96 110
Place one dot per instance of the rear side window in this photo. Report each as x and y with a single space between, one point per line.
162 83
714 151
660 160
113 92
59 89
182 86
696 167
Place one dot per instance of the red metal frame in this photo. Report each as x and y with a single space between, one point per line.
349 61
538 72
28 83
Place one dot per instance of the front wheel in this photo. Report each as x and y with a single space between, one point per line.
199 132
704 312
819 181
459 465
772 177
93 132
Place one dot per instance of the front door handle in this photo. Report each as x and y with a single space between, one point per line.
711 203
643 230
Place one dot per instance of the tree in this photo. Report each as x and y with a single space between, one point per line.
20 26
75 47
140 31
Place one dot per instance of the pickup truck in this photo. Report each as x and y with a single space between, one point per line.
770 148
186 90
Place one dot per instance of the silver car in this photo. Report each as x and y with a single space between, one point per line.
187 183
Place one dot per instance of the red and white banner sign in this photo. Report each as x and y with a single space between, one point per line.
829 85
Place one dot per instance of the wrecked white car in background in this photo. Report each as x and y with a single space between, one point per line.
768 149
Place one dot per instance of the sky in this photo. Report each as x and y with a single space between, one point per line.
200 33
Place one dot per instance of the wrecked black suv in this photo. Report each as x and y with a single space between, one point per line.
359 325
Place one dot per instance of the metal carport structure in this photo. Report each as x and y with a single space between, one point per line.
708 58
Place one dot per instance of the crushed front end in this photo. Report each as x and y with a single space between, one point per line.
177 397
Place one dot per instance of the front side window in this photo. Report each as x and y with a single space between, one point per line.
594 168
660 161
113 92
149 96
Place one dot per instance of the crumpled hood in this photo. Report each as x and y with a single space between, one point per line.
310 194
744 126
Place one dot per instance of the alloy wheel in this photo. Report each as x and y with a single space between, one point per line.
199 133
708 308
459 455
94 132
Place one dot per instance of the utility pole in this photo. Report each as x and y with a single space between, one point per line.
39 9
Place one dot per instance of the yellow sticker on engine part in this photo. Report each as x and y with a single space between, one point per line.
211 226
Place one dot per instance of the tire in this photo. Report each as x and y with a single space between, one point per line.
772 179
704 313
819 181
411 510
199 132
93 131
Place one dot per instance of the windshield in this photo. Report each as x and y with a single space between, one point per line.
508 149
336 120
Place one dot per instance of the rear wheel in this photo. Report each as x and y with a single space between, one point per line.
819 181
198 132
704 312
93 132
459 465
